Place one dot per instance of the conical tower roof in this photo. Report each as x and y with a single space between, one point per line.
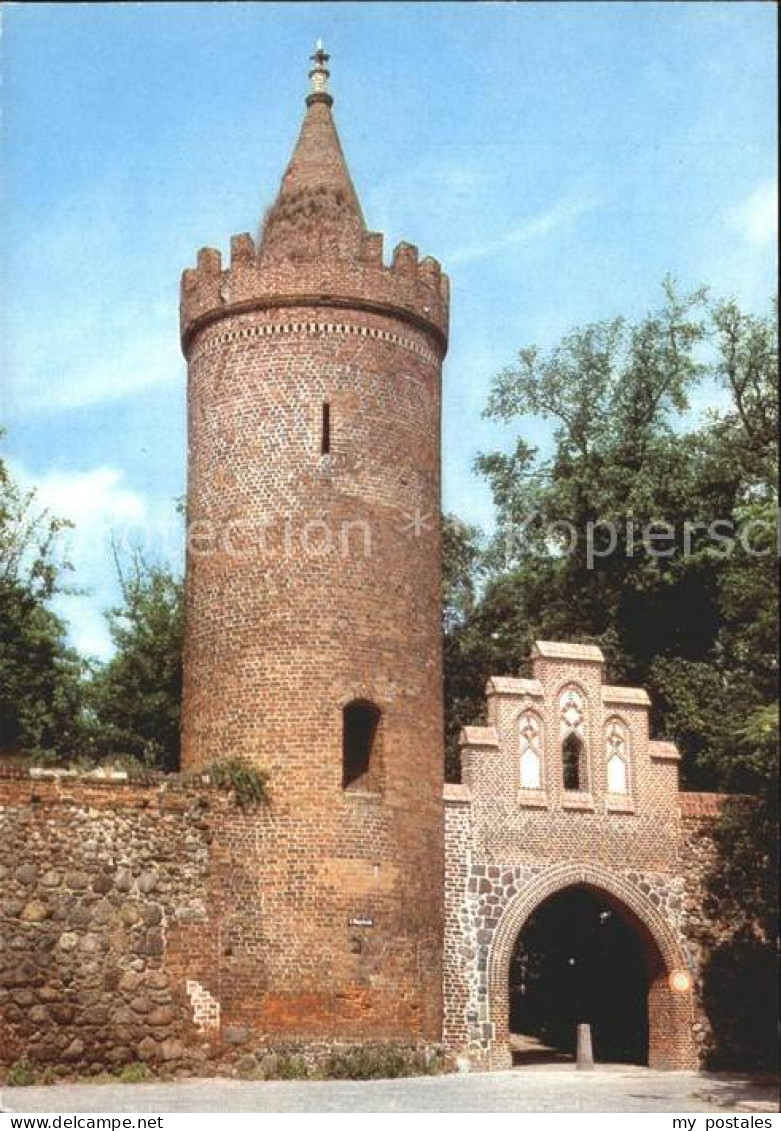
317 212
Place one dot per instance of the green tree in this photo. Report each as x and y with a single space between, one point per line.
467 656
740 974
41 677
136 696
654 536
620 535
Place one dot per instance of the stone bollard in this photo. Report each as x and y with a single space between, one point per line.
584 1057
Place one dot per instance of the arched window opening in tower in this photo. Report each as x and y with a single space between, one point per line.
360 742
325 431
574 758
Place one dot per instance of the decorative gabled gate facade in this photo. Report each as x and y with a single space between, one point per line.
564 788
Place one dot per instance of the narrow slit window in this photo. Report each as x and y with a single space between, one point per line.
325 431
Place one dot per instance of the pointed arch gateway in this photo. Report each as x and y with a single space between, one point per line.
670 1002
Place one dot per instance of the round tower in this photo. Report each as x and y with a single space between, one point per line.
313 633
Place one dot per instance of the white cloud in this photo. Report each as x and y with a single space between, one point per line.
740 257
96 498
99 504
757 217
112 362
467 193
561 215
91 311
87 626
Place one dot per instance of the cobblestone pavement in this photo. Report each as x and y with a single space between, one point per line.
552 1088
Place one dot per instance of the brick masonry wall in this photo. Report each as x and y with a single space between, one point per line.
314 579
508 849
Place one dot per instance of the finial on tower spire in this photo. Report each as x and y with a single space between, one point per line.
318 77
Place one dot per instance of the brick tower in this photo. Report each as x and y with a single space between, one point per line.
313 595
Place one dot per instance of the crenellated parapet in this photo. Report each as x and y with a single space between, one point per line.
411 289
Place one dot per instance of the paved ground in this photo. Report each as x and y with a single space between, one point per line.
552 1088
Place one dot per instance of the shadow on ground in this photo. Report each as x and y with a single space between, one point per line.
741 1091
530 1052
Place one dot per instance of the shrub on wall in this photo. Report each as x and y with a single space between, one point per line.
380 1062
247 783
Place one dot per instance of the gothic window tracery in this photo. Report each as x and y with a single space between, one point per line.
530 728
617 756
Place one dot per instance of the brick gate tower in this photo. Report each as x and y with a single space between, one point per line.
313 595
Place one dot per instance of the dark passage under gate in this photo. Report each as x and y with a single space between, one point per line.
578 959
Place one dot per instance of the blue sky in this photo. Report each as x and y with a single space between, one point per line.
559 159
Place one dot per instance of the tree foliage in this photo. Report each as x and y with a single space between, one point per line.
625 533
740 973
41 677
466 656
136 695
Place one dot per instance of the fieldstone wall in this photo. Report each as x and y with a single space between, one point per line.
481 897
133 927
106 904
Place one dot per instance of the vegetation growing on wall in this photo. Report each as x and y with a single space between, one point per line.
247 783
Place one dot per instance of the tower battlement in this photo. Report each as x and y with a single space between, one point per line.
410 289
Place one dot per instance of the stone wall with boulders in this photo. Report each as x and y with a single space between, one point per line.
106 913
134 930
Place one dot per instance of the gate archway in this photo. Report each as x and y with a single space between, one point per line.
670 1005
577 958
